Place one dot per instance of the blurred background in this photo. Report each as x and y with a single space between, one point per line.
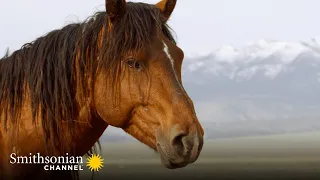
251 67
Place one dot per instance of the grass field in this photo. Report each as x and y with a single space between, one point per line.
290 156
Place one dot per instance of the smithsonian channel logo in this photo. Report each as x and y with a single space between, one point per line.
60 163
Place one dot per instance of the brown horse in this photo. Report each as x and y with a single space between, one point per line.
119 68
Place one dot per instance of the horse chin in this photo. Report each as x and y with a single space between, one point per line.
165 160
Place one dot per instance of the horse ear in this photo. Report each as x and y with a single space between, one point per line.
115 9
166 7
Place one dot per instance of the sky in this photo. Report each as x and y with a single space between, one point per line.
200 26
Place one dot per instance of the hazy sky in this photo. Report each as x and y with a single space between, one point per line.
201 26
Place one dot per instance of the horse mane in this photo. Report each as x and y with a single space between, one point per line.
58 69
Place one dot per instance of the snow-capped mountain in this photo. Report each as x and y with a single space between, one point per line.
271 58
263 67
273 82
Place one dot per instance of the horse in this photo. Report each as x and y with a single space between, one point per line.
121 67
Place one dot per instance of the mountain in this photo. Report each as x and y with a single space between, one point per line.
266 87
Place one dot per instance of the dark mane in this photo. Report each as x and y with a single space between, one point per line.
56 66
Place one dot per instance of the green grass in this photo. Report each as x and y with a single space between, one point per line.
289 155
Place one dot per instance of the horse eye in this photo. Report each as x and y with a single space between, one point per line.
133 64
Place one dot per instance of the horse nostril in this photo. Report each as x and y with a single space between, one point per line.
180 143
177 140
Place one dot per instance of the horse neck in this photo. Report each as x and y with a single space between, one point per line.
87 129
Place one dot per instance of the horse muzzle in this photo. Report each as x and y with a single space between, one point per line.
179 150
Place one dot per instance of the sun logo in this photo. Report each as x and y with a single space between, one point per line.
94 162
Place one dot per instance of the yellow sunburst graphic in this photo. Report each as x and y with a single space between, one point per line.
94 162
